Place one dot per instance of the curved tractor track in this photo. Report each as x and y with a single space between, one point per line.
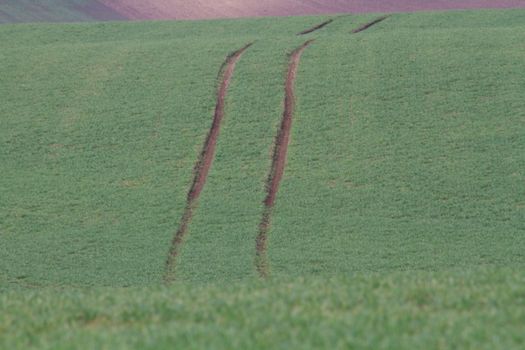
280 152
204 162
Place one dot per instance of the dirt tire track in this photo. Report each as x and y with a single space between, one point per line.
317 27
280 152
204 162
370 24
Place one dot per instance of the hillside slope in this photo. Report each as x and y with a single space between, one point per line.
100 128
405 152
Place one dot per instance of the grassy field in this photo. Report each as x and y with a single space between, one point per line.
99 133
474 309
400 221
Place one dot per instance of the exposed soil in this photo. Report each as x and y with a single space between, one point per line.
204 163
280 152
202 9
317 27
370 24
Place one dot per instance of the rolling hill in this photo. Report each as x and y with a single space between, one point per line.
304 182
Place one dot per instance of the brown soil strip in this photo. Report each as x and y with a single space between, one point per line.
278 160
317 27
370 24
204 163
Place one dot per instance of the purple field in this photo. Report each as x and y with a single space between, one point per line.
102 10
199 9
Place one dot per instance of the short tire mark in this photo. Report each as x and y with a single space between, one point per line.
317 27
370 24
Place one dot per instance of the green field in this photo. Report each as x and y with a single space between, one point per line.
475 309
400 221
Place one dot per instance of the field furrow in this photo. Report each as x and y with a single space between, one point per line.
205 161
279 159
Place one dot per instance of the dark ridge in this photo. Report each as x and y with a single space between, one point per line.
60 11
99 11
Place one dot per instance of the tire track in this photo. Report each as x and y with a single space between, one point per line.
278 160
370 24
317 27
204 162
